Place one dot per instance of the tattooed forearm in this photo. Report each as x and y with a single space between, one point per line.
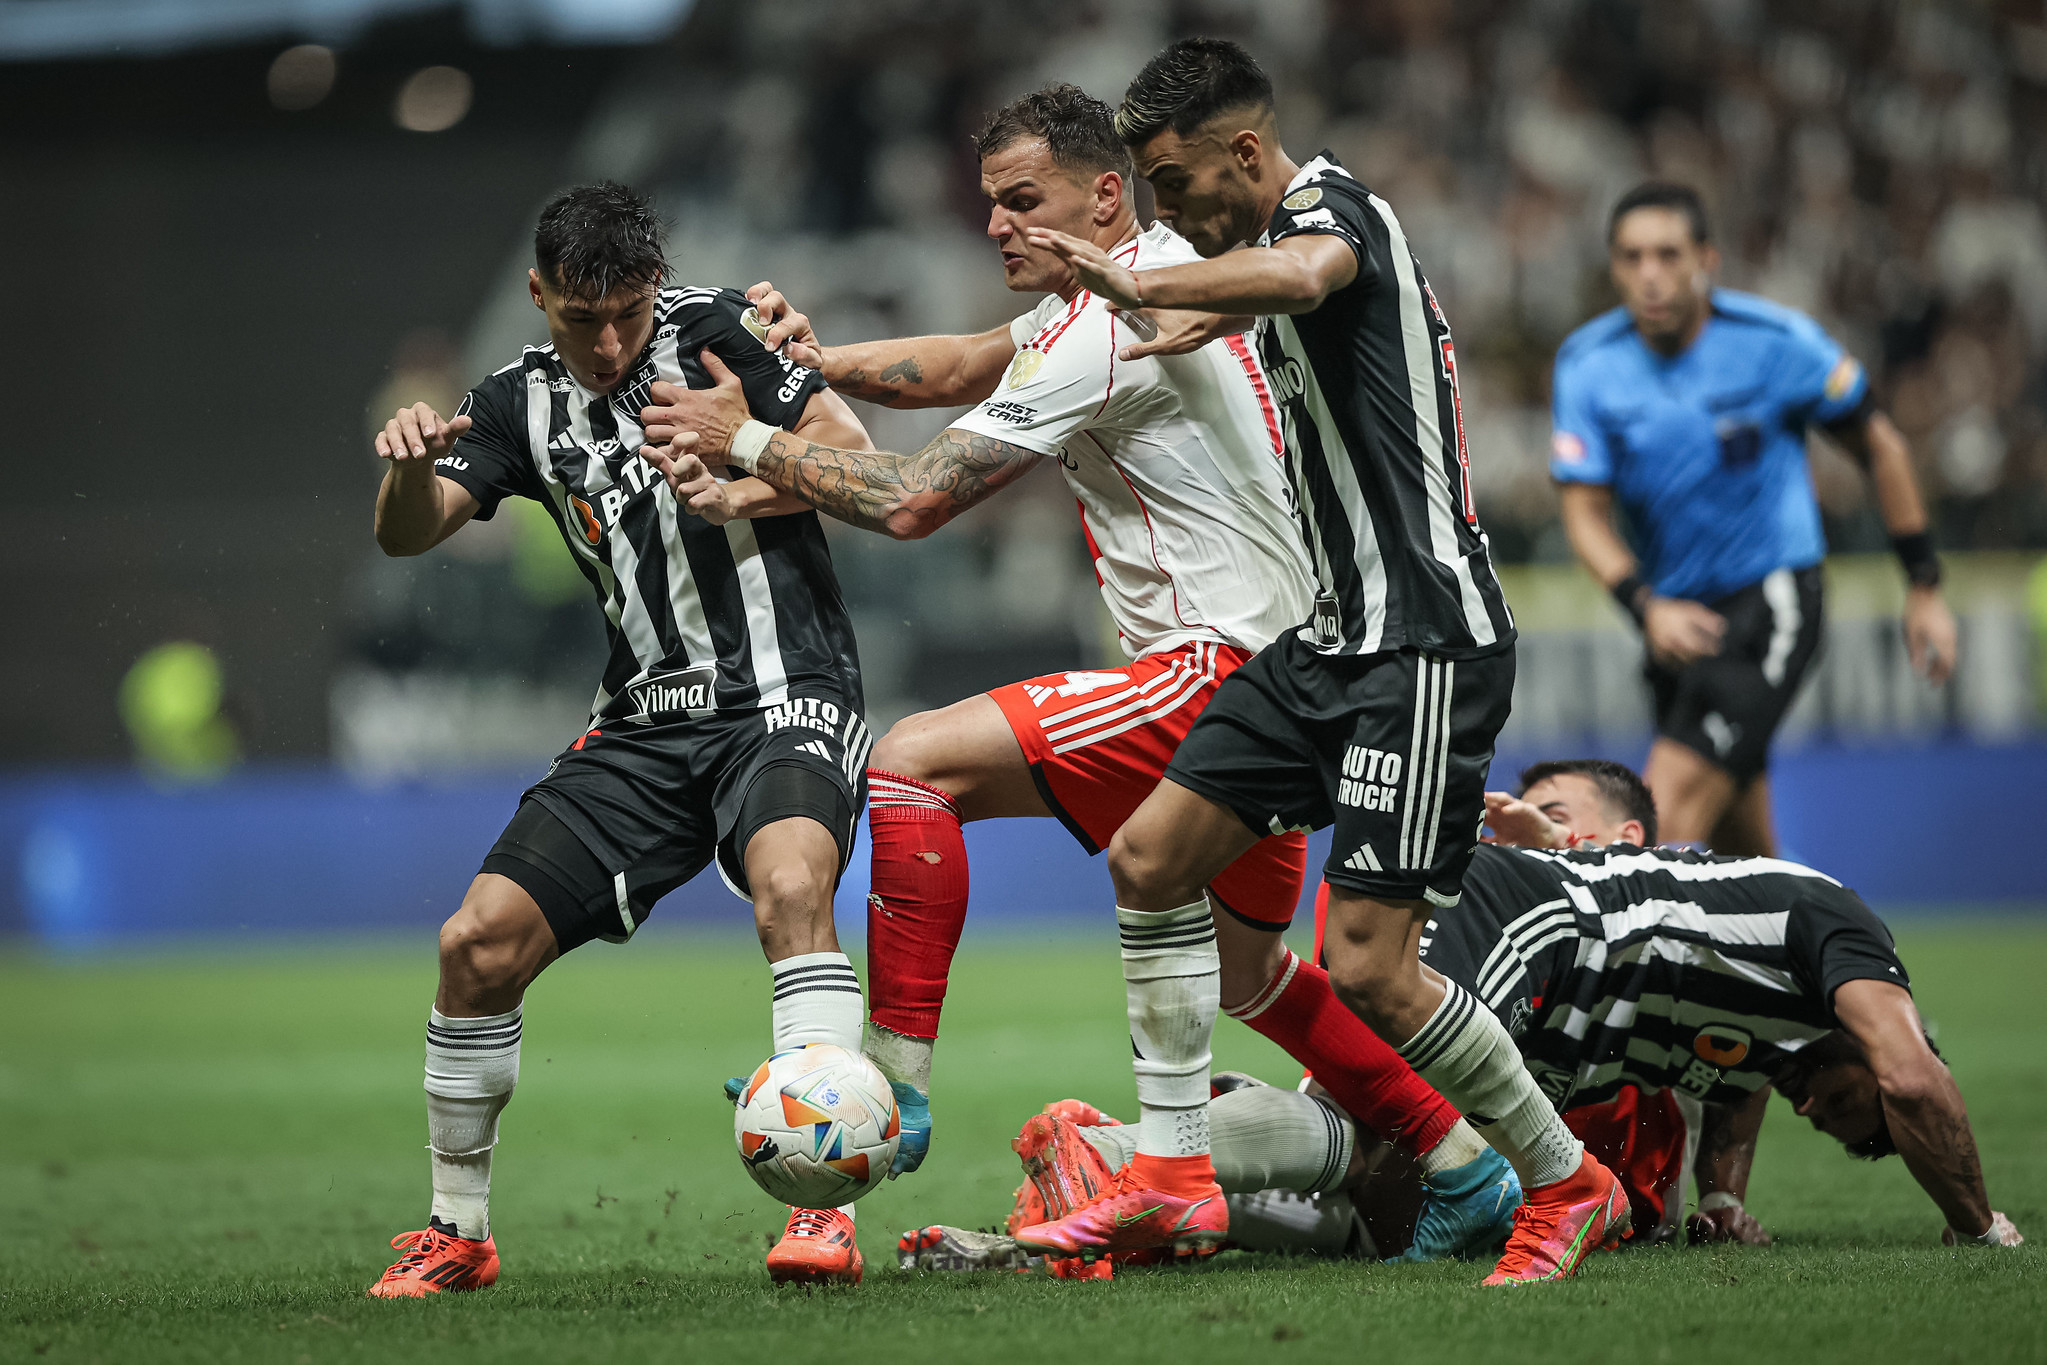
907 370
855 384
886 388
903 496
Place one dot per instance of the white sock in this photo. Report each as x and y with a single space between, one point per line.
1467 1055
1173 977
900 1056
1459 1147
817 1000
1116 1145
471 1067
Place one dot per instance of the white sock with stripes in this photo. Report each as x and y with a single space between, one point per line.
817 1000
1466 1054
1173 978
472 1066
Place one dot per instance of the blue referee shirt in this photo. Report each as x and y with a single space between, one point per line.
1705 450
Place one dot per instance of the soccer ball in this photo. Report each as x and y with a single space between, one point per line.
817 1126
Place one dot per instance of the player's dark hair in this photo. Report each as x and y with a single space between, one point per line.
1662 194
595 238
1187 85
1079 130
1620 786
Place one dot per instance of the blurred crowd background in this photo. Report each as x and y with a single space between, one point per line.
242 238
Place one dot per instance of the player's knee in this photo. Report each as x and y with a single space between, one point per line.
909 749
1144 870
792 909
1373 984
483 949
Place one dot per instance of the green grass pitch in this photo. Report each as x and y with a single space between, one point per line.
202 1156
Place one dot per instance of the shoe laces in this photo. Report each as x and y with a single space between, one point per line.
417 1246
810 1223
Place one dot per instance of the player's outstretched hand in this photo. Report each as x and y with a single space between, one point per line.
1680 632
1517 824
697 490
1092 266
1176 331
789 331
418 435
2002 1234
1930 634
714 414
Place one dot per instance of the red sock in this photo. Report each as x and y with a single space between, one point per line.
1299 1011
918 904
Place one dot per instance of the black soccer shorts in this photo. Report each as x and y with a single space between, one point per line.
630 812
1393 749
1727 708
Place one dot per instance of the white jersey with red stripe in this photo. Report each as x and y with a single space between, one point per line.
1178 463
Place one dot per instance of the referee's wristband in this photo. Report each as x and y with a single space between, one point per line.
748 443
1915 552
1633 595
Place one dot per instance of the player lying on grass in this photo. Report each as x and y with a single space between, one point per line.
727 724
1713 978
1679 988
1177 466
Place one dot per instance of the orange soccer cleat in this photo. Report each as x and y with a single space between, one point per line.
818 1247
1130 1218
435 1261
1062 1169
1558 1225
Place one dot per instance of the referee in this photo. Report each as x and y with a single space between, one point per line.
1692 404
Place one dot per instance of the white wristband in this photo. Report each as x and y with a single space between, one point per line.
748 443
1718 1199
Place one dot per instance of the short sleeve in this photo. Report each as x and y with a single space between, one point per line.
490 459
1819 382
1832 938
1335 207
1023 328
1578 448
777 388
1057 385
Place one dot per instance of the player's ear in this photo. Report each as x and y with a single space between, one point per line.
1709 258
1631 832
1110 192
1249 150
533 287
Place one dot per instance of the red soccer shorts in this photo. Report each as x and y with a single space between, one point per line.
1098 742
1641 1139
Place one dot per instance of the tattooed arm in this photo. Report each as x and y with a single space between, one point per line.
920 372
903 496
906 497
1922 1106
910 372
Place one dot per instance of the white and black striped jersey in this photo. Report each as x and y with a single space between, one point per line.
747 614
1659 967
1380 472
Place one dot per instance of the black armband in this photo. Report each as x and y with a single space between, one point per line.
1922 565
1633 595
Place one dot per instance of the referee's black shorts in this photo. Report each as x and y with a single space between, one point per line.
630 812
1727 708
1392 749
